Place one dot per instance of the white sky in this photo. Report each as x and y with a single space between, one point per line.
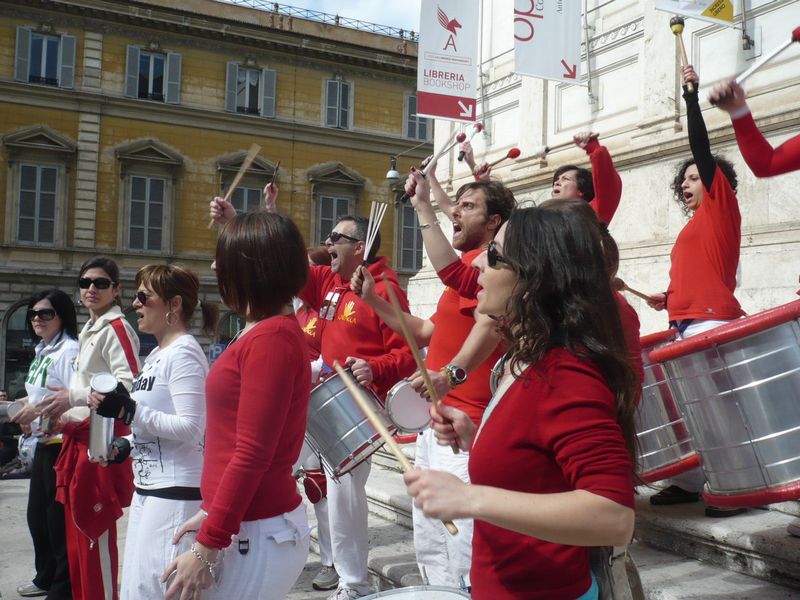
396 13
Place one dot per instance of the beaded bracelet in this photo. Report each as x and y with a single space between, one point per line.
206 563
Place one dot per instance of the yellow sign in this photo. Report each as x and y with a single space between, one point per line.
715 11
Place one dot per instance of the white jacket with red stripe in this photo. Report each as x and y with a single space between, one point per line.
102 349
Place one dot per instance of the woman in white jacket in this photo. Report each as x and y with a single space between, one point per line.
51 317
167 414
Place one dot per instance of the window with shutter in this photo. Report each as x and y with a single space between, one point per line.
37 204
268 77
337 103
416 126
409 239
146 213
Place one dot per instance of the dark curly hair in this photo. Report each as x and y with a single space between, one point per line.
583 179
563 298
724 165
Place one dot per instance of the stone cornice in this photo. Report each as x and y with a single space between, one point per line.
216 120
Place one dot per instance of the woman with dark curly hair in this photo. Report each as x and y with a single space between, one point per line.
706 253
551 464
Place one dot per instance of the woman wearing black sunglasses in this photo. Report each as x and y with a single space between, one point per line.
551 464
94 495
51 317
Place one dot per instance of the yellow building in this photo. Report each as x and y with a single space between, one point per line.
120 120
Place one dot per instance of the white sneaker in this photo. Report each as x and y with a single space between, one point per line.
344 593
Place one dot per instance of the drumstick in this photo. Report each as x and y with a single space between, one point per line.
676 25
248 160
513 153
460 137
624 286
412 343
369 412
768 57
476 128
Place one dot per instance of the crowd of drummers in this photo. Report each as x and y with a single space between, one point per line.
532 350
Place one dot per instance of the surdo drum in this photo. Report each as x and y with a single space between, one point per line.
664 447
406 409
338 431
421 592
738 387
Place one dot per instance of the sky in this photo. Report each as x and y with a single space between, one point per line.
396 13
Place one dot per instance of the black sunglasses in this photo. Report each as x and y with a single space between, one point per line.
142 298
101 283
335 236
493 258
44 314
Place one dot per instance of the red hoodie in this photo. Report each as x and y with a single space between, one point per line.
349 327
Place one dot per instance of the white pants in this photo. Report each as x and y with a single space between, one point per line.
694 479
278 549
347 510
148 544
443 559
310 460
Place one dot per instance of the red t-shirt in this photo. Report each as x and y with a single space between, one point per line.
554 430
630 329
760 156
453 322
256 405
349 327
705 257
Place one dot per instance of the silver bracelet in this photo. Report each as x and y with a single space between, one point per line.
423 226
212 568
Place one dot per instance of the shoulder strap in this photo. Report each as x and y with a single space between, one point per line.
127 347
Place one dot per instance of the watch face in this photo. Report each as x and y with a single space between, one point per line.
459 374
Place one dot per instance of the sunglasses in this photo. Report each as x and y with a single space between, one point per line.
493 258
44 314
335 236
101 283
142 298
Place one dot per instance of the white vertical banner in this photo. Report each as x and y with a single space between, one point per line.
447 74
714 11
547 39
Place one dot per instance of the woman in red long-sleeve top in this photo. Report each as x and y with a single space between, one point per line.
552 462
257 396
758 153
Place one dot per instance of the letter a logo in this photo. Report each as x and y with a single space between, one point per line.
450 25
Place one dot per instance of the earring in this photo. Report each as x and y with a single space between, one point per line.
169 319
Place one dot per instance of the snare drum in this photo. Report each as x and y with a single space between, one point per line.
338 431
421 592
406 408
664 447
738 387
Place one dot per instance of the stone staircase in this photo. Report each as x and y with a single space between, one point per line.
681 554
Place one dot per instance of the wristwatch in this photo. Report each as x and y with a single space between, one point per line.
455 375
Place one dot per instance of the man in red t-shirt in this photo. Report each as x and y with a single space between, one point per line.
462 348
352 334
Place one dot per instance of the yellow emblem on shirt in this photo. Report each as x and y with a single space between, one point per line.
349 313
311 327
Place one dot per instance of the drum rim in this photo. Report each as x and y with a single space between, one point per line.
416 588
388 407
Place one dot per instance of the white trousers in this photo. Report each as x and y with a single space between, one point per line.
278 549
310 460
443 559
148 544
348 512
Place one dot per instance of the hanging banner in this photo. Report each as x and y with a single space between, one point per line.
547 39
447 74
716 11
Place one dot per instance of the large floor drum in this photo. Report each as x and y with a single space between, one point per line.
664 446
738 387
338 430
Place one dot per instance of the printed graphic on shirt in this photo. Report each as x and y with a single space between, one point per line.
349 313
147 458
37 374
311 327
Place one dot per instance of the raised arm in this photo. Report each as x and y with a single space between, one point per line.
438 247
606 180
698 134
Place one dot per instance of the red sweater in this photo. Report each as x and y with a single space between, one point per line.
630 329
760 156
554 430
256 404
349 327
453 322
606 180
309 321
705 257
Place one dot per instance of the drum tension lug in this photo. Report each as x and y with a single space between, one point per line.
244 546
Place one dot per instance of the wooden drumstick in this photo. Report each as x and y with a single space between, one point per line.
676 25
412 343
248 160
369 412
624 286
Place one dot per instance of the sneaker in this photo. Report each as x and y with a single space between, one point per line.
344 593
326 579
717 512
794 528
31 590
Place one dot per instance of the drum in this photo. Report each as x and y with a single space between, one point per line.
308 471
738 387
338 431
421 592
407 410
664 448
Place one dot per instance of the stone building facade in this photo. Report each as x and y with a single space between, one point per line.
630 95
120 120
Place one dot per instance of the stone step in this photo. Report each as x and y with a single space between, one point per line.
386 494
754 543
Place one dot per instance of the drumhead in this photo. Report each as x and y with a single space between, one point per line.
421 592
406 408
